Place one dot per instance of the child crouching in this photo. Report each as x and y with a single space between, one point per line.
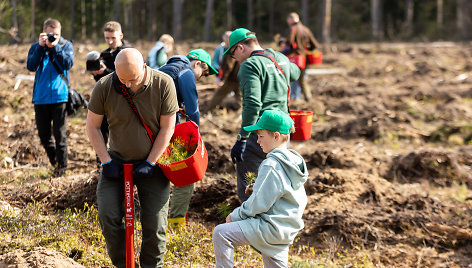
272 216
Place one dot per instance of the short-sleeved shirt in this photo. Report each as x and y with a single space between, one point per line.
129 140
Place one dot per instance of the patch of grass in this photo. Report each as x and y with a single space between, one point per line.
455 192
75 233
192 247
308 257
452 134
22 176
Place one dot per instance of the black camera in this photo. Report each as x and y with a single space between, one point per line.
51 37
93 61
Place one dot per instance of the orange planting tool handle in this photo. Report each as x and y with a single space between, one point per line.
129 215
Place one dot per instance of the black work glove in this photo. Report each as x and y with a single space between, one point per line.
237 151
112 170
144 170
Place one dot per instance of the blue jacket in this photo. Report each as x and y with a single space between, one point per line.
272 216
179 68
49 87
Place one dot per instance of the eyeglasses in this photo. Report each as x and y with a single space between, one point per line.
233 49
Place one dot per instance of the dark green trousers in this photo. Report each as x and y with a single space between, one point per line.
180 200
154 200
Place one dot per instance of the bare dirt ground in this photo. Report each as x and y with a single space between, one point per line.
390 154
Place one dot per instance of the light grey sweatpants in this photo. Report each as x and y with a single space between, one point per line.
226 237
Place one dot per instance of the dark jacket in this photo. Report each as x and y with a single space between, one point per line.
49 87
108 57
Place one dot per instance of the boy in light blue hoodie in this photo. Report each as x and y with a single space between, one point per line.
272 216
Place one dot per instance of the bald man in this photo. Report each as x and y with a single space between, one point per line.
154 95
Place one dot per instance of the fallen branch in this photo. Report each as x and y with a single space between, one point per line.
452 232
13 32
20 167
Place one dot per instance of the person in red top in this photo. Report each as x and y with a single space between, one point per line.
300 39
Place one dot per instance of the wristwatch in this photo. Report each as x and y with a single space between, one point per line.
240 138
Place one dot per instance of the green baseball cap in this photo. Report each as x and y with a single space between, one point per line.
237 36
273 120
202 55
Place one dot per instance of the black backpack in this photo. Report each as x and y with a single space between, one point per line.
76 100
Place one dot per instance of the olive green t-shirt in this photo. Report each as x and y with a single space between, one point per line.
129 140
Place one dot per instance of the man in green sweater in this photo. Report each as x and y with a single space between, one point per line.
264 78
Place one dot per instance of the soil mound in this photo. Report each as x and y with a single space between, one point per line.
37 258
440 167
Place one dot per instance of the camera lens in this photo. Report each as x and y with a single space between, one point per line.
51 37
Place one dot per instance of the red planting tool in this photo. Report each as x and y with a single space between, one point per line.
129 215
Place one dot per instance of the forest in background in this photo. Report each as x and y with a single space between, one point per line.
330 20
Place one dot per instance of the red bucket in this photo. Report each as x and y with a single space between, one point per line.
303 121
299 60
315 57
193 168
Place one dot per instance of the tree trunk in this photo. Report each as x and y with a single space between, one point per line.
152 21
326 32
229 14
376 17
13 14
33 11
141 18
83 20
304 12
271 18
440 14
14 20
249 14
116 10
409 8
463 19
208 18
177 19
127 28
94 20
72 19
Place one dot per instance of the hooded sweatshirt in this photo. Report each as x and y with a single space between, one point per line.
272 216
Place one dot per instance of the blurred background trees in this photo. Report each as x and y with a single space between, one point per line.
330 20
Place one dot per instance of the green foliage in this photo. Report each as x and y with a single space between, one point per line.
178 152
224 210
250 178
350 20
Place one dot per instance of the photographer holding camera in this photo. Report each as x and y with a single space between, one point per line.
103 64
51 58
